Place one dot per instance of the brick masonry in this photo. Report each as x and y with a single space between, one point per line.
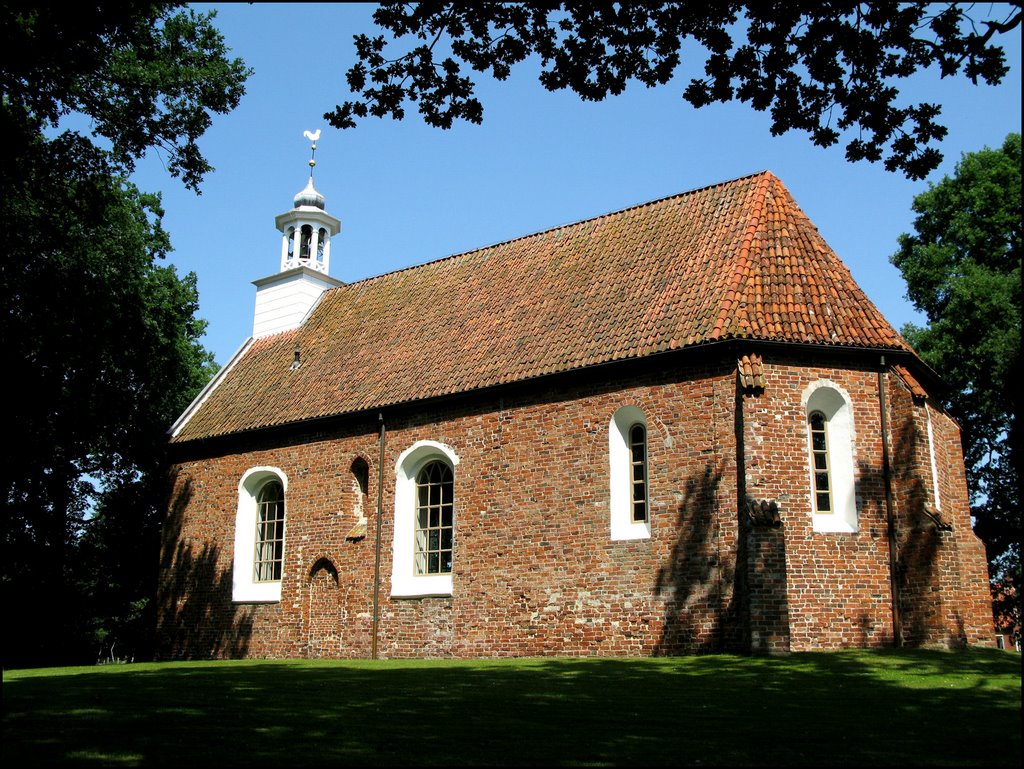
536 572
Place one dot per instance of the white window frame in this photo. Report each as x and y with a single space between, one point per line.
837 407
620 481
405 582
244 587
936 497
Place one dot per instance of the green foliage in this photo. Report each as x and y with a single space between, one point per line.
824 69
102 340
963 271
147 76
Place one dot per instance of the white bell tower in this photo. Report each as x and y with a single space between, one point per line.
284 299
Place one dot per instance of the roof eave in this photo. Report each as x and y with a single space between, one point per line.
723 345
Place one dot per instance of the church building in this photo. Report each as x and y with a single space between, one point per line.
676 428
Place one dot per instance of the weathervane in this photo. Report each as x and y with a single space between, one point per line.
313 136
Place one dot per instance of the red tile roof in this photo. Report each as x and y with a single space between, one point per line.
911 381
733 260
751 372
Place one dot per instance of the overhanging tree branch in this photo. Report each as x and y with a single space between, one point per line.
804 62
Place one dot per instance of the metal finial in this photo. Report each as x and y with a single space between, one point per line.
313 136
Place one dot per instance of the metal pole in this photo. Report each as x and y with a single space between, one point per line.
376 559
897 628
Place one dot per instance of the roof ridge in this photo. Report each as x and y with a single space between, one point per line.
764 172
734 286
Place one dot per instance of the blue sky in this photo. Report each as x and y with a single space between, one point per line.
407 193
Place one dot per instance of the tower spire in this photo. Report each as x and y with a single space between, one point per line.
283 299
307 229
313 136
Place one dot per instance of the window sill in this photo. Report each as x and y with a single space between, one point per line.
427 586
833 525
256 592
405 597
626 531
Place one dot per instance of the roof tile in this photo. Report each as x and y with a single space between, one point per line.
737 259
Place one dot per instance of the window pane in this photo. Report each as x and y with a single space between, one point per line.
433 539
268 552
638 472
820 463
639 491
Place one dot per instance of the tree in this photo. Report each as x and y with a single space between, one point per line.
145 74
102 342
963 271
823 68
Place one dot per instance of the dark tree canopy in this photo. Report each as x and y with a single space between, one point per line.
101 339
829 69
147 75
963 271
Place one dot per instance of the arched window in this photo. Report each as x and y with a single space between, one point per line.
628 479
423 553
259 536
269 555
831 467
305 242
434 513
638 471
291 242
321 242
819 464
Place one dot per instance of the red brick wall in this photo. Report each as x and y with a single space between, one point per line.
941 563
838 583
535 570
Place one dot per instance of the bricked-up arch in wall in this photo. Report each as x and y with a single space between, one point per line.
358 509
323 568
326 615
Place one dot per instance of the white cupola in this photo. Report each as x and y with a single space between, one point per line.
284 299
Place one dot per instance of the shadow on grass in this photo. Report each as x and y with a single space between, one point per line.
851 708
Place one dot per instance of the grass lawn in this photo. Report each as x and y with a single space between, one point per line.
846 708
